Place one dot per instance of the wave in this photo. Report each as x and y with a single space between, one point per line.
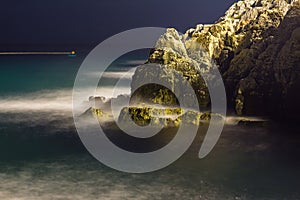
234 120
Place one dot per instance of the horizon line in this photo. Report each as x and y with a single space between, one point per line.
38 53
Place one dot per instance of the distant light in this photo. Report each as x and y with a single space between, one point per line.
67 53
72 53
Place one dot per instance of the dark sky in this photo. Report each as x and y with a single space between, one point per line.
91 21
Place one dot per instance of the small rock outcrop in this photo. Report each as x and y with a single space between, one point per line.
165 117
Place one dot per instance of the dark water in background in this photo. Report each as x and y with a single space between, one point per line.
41 156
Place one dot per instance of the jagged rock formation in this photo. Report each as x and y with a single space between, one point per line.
252 77
256 46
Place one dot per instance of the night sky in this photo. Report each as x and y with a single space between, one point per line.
86 22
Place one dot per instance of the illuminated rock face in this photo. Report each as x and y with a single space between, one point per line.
172 79
255 45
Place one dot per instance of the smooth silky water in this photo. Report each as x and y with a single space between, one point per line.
42 157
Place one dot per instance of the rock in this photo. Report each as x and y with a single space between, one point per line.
171 41
166 117
179 73
98 113
270 84
144 116
97 102
256 46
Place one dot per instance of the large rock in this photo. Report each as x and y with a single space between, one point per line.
256 46
193 63
271 80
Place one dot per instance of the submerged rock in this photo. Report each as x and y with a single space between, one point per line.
253 123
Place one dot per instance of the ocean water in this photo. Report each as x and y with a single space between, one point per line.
42 157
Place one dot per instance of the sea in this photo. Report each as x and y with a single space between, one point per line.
42 156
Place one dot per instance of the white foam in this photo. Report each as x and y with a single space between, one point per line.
234 120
